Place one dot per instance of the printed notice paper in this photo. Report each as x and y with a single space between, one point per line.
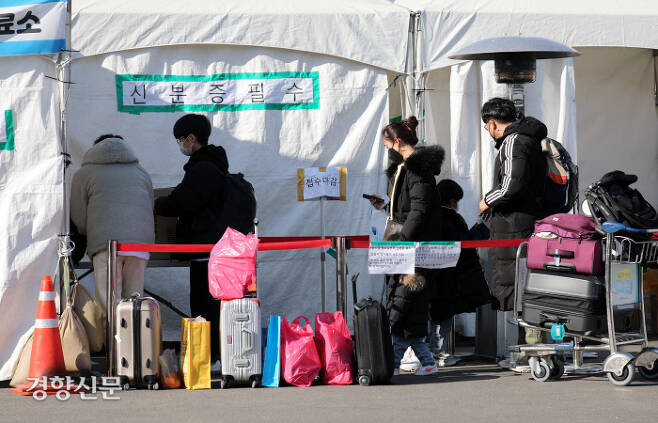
403 257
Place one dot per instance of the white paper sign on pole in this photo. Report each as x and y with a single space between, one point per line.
437 255
391 258
321 182
32 27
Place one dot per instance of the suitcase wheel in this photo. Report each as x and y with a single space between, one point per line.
364 380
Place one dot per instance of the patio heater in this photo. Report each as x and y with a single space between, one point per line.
515 61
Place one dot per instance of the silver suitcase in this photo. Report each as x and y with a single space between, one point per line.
240 345
138 342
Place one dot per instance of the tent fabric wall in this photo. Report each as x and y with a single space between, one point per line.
30 197
449 25
374 32
266 145
617 116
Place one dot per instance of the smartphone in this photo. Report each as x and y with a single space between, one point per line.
373 198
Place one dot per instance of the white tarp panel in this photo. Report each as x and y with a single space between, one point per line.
453 101
30 197
374 32
266 145
449 25
617 116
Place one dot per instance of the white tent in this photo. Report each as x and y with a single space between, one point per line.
577 98
601 105
356 51
347 52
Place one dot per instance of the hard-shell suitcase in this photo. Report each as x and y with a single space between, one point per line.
138 342
240 345
372 341
576 300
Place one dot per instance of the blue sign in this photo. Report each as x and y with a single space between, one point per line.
32 26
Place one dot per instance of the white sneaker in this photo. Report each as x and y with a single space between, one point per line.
446 360
409 363
426 370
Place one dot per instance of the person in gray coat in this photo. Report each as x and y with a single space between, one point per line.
112 199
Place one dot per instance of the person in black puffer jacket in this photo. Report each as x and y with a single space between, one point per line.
515 200
457 289
415 205
197 202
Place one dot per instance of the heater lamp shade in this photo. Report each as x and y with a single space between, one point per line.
529 48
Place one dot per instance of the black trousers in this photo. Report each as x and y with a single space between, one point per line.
204 304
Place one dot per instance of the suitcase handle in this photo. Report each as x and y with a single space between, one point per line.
562 268
249 345
550 318
556 252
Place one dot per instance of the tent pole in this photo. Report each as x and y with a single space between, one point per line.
65 246
417 74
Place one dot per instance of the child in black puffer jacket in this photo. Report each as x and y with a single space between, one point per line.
407 310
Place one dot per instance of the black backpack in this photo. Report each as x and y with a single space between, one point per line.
239 208
561 184
611 199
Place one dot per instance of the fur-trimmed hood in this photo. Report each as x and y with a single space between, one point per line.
110 151
422 160
415 282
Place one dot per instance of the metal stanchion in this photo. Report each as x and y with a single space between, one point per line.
323 259
341 274
109 304
451 339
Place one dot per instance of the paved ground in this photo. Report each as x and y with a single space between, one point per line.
467 393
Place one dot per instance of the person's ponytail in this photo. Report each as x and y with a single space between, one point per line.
404 130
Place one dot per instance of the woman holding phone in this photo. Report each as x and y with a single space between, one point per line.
413 215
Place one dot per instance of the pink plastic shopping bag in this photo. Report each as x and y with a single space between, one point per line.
232 266
334 344
300 363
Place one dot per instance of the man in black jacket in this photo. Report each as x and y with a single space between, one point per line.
197 202
515 200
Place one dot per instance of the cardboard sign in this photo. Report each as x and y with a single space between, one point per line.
322 182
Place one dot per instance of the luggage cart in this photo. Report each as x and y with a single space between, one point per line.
623 256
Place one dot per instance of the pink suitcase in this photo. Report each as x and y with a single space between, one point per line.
576 246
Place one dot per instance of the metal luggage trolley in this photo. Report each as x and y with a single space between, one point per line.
623 256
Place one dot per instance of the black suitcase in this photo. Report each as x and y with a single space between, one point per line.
576 300
373 343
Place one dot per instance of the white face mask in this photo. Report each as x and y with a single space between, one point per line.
187 151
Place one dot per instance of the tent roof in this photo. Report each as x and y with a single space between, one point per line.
374 32
450 25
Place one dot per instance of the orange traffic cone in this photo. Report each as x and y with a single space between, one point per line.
47 358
